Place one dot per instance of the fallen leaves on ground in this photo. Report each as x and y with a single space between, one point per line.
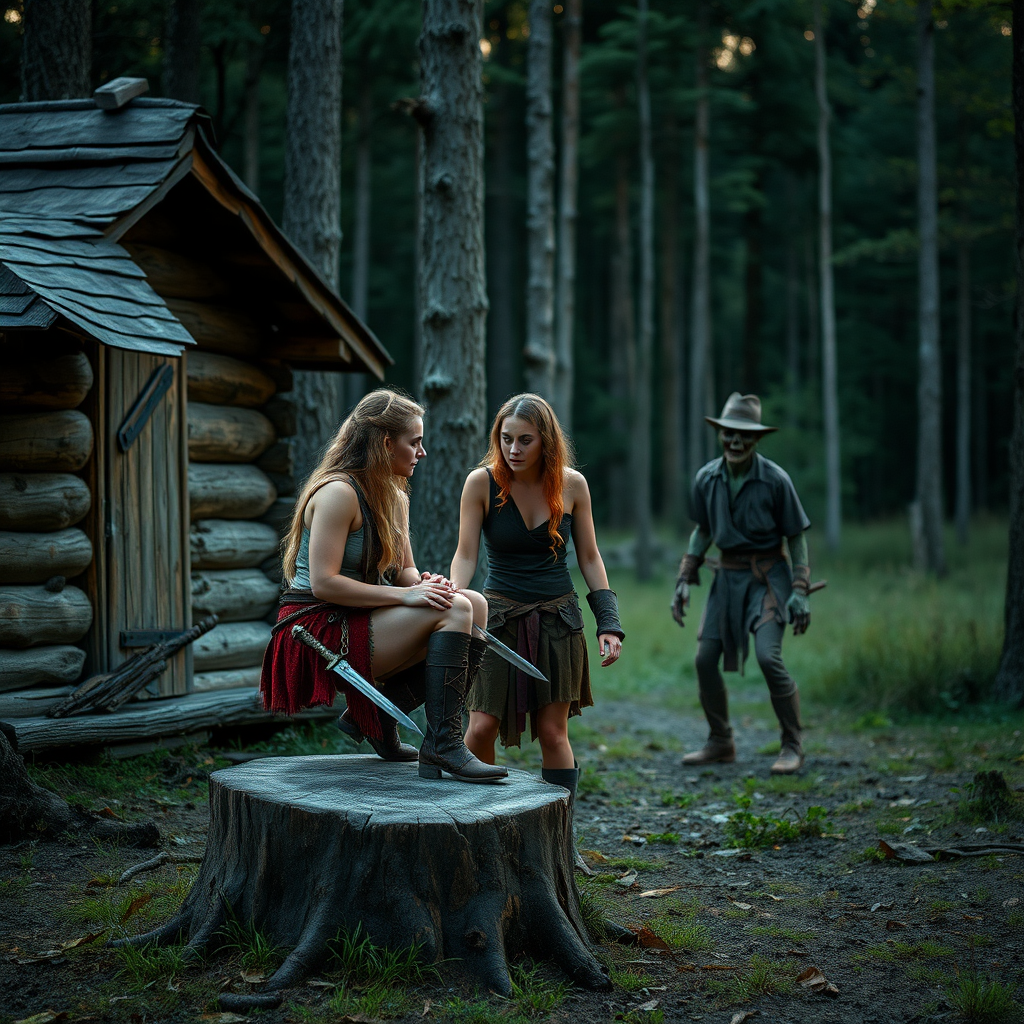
254 977
595 855
814 981
22 958
649 940
635 840
136 905
741 906
627 878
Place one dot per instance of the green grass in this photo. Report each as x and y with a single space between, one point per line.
746 830
255 951
630 979
677 924
764 977
141 965
360 962
671 799
534 994
980 1000
666 838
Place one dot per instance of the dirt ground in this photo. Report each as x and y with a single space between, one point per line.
897 941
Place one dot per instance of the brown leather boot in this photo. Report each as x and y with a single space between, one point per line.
717 750
791 756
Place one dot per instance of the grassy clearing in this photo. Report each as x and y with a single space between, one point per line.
980 1000
885 642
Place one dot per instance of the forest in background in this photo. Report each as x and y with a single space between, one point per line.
765 324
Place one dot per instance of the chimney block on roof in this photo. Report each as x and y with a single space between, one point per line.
118 92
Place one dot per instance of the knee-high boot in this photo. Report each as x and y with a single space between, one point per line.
448 679
791 754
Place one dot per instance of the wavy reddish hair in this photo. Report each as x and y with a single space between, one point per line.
556 456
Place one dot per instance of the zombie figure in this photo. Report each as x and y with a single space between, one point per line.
745 504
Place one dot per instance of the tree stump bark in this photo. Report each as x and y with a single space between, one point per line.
305 847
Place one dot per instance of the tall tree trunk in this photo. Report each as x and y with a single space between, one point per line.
56 50
1009 684
673 398
251 151
356 383
502 348
700 305
183 39
641 419
963 386
829 385
753 287
622 343
980 430
565 286
929 390
813 308
539 352
312 193
793 381
452 281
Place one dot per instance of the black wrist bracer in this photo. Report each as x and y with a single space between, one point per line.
605 607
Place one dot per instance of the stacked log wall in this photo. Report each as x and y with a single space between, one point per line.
240 469
45 444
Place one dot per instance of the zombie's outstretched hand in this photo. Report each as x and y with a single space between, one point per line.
688 574
680 600
798 608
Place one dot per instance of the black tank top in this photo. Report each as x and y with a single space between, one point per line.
520 563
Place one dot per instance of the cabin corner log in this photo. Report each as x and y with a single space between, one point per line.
304 847
58 381
231 645
231 543
226 491
224 380
58 441
40 665
35 615
42 501
37 557
233 595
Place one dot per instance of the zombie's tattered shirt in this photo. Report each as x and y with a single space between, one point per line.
754 582
766 507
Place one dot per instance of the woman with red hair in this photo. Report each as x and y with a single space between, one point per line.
527 500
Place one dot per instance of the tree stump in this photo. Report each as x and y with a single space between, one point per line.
305 847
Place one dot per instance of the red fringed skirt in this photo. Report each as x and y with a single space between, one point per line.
295 677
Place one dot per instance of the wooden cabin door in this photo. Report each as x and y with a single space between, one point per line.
143 576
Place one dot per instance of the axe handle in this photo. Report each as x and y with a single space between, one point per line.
820 585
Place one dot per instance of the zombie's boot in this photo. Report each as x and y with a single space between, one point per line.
719 748
405 691
447 681
791 756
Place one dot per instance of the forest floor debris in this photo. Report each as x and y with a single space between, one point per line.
750 895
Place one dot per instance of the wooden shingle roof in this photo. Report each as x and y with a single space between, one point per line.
74 179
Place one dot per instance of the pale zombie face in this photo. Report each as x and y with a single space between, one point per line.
738 445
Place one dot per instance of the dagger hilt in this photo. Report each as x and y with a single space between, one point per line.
303 635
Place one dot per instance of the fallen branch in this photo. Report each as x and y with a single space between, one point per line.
155 862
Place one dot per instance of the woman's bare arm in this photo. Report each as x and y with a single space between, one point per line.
472 509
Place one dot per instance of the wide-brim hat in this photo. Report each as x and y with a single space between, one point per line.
741 412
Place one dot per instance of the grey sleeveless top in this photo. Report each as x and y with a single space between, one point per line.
351 564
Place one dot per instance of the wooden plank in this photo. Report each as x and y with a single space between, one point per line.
95 523
59 441
119 92
29 703
42 501
312 350
152 718
219 328
173 275
181 577
34 615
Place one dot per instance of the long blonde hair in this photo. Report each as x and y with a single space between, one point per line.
359 450
556 456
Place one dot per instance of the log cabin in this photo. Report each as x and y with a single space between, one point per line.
151 313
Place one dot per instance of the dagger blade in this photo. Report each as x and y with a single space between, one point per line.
508 654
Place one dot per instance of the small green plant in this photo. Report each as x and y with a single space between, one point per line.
764 977
670 799
631 863
533 994
980 1000
354 956
592 907
630 979
142 965
746 830
1015 921
678 926
255 951
667 838
376 1002
869 855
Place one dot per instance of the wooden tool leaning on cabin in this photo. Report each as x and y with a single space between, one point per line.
108 692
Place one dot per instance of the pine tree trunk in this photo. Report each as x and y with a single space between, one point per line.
56 50
356 383
1009 684
452 282
929 390
183 40
251 143
700 306
502 349
793 381
565 290
641 418
622 345
753 287
829 385
673 398
312 193
963 388
539 352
